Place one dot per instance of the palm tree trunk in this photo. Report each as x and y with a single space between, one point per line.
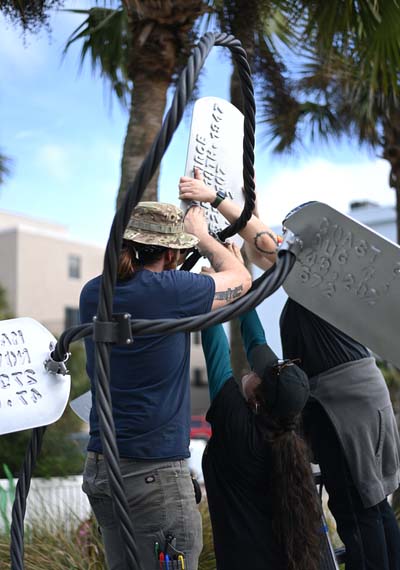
391 152
146 114
398 213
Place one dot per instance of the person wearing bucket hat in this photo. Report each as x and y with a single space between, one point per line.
149 380
349 404
264 508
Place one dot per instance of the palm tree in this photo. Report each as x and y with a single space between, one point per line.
351 89
294 24
4 168
141 46
30 14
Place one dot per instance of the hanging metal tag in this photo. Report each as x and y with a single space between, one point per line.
348 275
30 395
216 148
82 406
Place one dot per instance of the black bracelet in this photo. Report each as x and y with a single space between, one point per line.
221 195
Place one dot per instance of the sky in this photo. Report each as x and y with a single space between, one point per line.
64 132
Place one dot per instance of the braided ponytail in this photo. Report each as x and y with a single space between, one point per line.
295 503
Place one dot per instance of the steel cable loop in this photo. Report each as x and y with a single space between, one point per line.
262 288
242 305
21 493
104 312
121 218
244 71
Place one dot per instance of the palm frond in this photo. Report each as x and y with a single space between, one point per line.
105 40
5 168
30 14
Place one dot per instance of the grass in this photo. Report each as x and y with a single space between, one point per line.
82 549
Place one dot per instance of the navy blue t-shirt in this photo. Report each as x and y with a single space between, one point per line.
150 386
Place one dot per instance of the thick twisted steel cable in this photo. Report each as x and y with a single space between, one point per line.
184 90
266 285
21 493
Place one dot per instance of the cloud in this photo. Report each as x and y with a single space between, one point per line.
26 134
18 53
54 160
328 182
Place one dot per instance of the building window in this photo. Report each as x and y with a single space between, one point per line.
74 266
71 317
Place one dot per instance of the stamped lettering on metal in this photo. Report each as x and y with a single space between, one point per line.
29 395
216 148
348 275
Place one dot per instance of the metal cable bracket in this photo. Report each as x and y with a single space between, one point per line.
291 242
117 331
56 367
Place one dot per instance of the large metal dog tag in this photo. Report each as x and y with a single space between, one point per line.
216 148
348 275
30 396
82 406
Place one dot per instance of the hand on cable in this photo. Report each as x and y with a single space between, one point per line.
195 188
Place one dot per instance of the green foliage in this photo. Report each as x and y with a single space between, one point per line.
30 14
5 164
7 498
82 548
207 556
348 83
79 549
392 377
105 39
5 312
60 454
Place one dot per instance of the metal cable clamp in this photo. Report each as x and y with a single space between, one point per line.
118 331
55 367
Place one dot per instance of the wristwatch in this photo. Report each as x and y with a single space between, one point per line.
221 195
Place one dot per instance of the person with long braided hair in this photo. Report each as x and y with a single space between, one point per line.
263 505
348 421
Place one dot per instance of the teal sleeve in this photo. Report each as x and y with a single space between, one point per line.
217 355
252 332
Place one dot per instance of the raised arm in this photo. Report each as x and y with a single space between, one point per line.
252 332
262 242
217 355
232 280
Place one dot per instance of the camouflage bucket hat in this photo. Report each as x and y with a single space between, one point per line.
156 223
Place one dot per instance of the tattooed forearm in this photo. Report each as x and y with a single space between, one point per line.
216 264
229 294
266 251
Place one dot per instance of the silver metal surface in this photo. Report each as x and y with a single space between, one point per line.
348 275
82 406
216 148
30 395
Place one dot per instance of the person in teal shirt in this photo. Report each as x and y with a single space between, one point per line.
261 495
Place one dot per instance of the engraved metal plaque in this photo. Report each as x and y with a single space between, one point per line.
348 275
29 395
82 406
216 148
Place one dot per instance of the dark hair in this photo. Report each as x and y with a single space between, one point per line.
297 511
135 254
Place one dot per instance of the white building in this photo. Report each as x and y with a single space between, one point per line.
43 269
